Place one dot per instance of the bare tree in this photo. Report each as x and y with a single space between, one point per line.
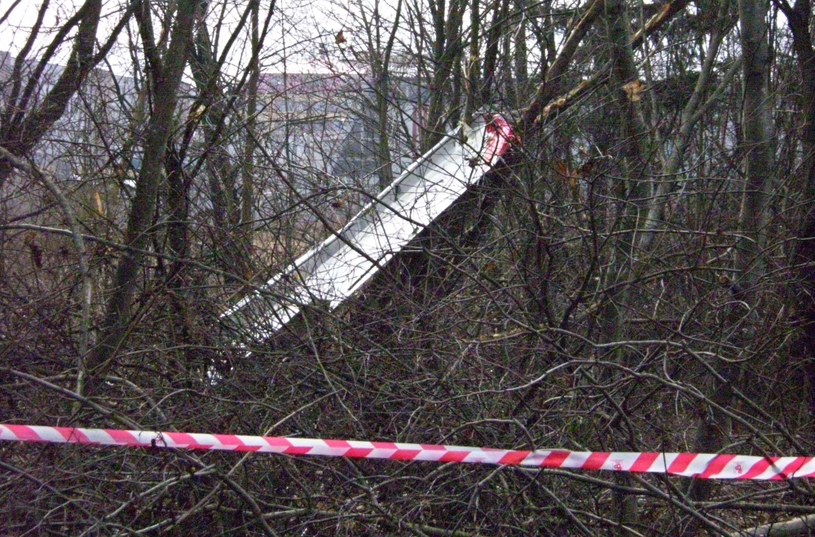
167 70
24 120
636 275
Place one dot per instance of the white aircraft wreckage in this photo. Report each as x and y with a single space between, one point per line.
335 269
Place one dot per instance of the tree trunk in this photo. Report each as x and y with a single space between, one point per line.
447 50
116 324
383 101
749 262
222 173
247 184
798 17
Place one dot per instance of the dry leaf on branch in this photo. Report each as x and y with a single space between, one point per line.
634 90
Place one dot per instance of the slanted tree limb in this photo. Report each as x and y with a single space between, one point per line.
542 109
547 90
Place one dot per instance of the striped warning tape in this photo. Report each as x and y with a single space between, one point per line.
698 465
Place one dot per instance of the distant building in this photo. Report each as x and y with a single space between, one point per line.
322 129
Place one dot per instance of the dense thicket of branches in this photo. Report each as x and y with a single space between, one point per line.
638 277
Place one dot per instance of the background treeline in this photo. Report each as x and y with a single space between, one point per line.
638 277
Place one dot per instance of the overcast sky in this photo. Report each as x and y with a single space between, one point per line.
304 33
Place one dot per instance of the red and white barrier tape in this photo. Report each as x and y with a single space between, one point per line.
698 465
